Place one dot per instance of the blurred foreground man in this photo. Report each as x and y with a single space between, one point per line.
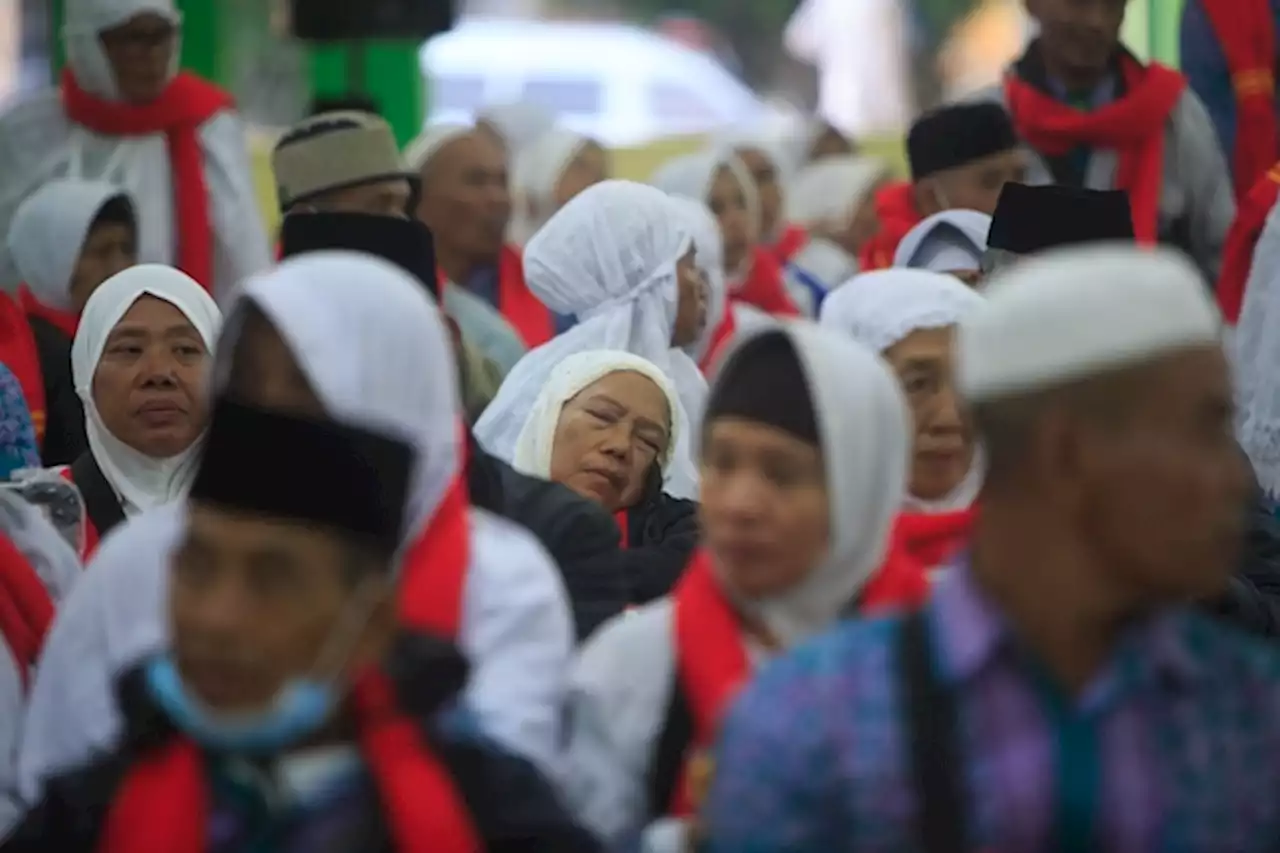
293 713
1056 694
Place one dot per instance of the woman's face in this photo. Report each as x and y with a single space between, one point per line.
691 307
728 201
588 168
765 174
610 437
943 444
763 506
148 383
140 52
264 372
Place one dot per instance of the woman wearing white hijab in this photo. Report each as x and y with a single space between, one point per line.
345 335
139 361
606 425
66 239
950 242
796 530
909 317
549 172
833 200
620 257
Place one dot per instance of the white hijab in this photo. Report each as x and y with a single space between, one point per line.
141 481
854 393
949 241
537 169
49 231
880 308
360 348
576 373
518 123
1254 346
826 194
692 175
609 258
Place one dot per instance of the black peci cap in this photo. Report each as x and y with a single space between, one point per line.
1032 219
957 134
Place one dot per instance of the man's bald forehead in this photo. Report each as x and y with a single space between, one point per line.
471 144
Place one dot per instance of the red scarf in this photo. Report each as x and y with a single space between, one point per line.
896 209
1133 125
711 658
933 539
163 804
186 104
434 575
791 241
517 304
26 610
764 288
18 353
624 526
64 321
1246 33
1242 239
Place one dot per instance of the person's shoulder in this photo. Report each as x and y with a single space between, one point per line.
507 559
849 652
513 804
1227 656
560 517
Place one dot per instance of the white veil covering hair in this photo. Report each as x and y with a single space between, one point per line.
826 194
38 142
691 176
536 170
879 309
374 349
536 443
854 393
1254 347
948 241
609 258
49 231
141 481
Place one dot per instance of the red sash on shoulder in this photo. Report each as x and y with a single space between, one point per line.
1237 253
933 539
434 573
18 353
895 205
186 104
531 319
712 663
163 803
764 286
791 241
64 321
26 611
1134 126
1246 33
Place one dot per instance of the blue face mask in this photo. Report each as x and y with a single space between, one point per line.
299 711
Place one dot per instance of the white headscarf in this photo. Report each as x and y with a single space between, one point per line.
854 393
357 346
1254 347
49 231
536 172
709 255
575 374
609 258
691 176
518 123
85 21
950 241
140 480
427 145
827 193
881 308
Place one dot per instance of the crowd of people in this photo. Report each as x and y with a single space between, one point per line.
774 505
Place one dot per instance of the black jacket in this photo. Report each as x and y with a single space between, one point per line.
64 435
662 533
512 806
578 534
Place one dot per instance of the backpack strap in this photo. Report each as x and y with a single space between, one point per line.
100 501
933 734
669 755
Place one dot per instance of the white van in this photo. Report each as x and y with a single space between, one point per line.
616 83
